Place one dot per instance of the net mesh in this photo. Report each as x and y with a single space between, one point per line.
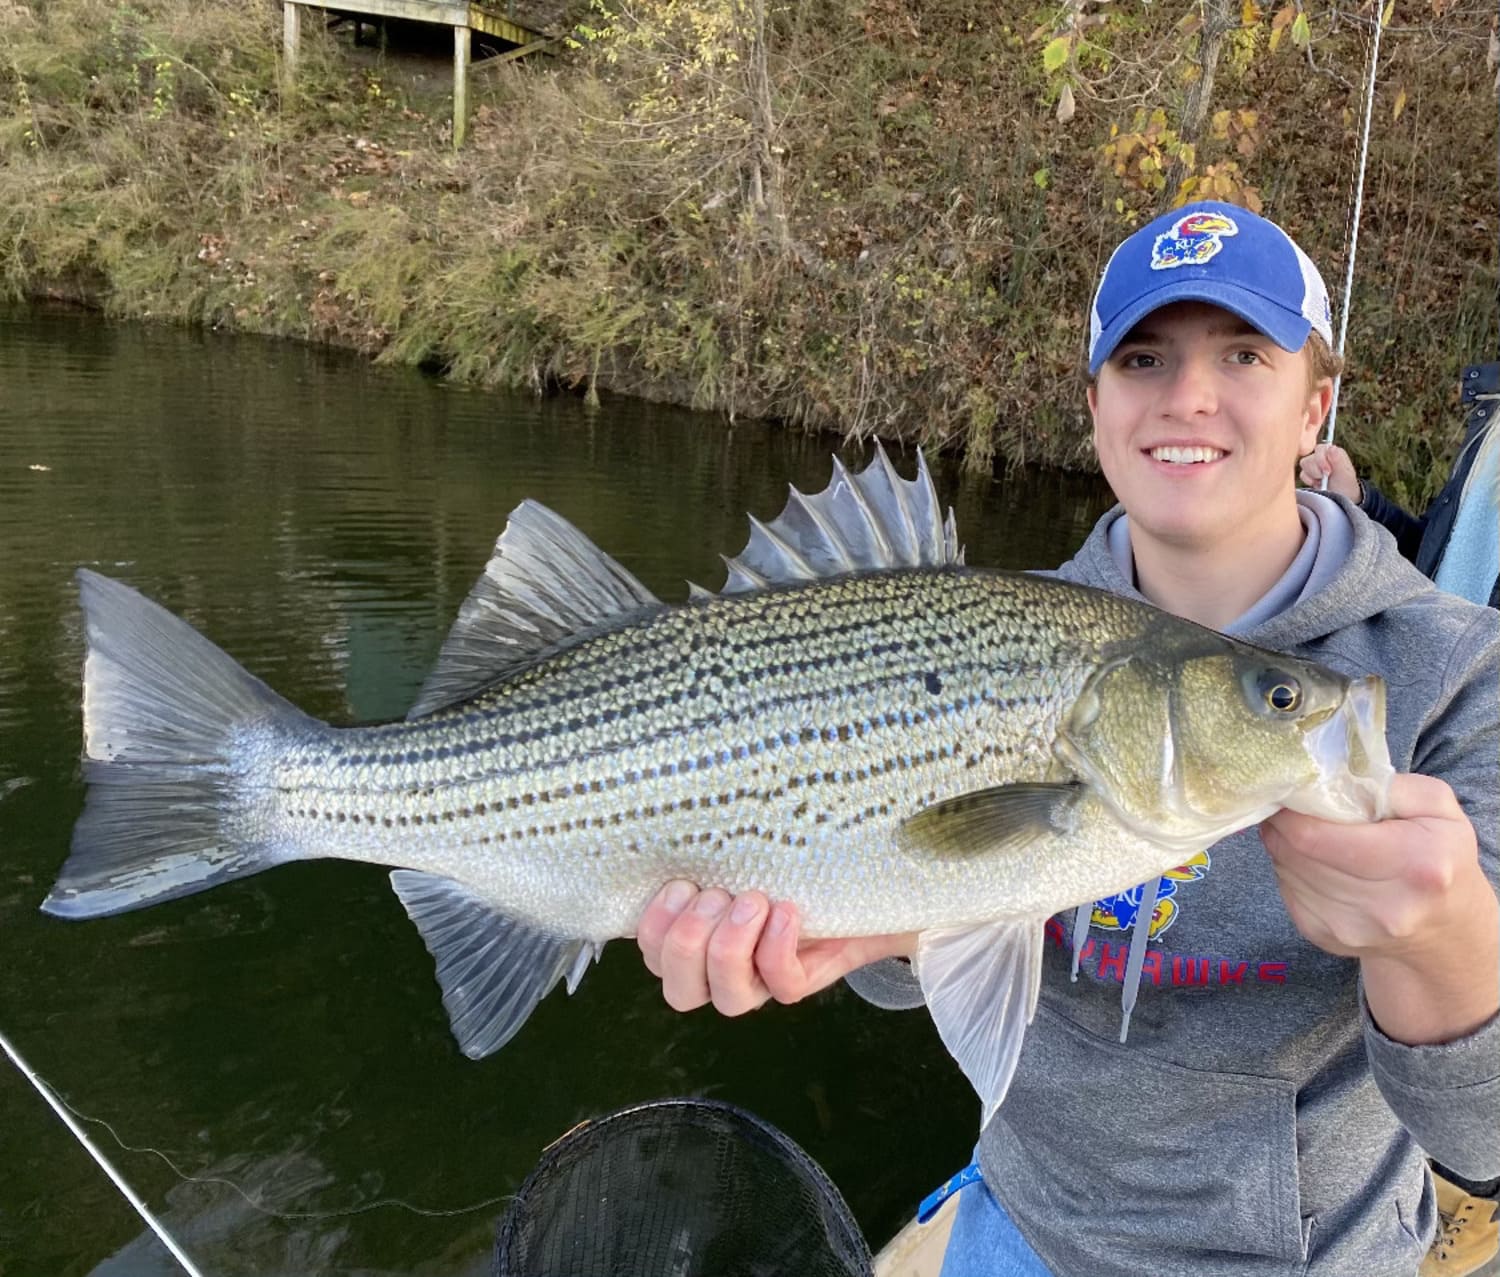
678 1188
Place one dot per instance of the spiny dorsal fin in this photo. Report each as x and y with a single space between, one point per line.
863 522
545 581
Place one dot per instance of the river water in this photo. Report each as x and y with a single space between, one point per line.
282 1040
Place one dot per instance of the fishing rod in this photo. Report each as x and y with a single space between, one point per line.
58 1107
1359 199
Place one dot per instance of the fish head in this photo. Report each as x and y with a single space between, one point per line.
1205 735
1353 761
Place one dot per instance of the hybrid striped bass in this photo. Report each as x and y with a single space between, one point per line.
857 723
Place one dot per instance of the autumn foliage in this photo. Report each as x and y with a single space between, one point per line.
871 216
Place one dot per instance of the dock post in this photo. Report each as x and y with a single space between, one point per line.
460 85
291 37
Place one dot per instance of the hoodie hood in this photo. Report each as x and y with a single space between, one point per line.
1372 577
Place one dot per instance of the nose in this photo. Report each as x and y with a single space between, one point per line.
1191 391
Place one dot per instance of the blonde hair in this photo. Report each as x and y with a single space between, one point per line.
1321 361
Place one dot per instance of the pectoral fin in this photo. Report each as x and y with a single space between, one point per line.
984 821
981 986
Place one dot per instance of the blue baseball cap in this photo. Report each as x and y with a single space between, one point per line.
1216 253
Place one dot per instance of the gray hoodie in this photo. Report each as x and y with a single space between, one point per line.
1257 1121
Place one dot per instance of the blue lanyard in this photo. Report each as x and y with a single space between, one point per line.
934 1200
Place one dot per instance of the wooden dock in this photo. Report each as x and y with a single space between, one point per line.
497 20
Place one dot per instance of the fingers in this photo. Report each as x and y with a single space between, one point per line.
1416 797
1329 461
734 986
1381 886
1314 467
684 951
702 945
777 958
656 921
1342 477
738 952
1426 828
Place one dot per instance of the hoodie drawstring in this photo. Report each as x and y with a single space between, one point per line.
1139 937
1140 934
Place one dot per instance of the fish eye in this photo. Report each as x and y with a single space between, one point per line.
1281 692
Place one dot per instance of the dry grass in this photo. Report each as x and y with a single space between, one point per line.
942 229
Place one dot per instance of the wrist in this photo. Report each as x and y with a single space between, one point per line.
1441 991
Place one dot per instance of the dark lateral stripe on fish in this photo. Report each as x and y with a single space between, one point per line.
619 724
497 759
538 801
769 708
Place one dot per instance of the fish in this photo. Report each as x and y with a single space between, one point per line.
856 721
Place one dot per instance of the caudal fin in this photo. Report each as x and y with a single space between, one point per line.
165 716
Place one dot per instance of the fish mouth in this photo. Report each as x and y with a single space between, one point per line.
1354 764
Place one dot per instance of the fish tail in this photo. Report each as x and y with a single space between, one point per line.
166 715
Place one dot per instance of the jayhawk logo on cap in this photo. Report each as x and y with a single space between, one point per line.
1191 240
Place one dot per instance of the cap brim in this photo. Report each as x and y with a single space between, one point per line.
1287 328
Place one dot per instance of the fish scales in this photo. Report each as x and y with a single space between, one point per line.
775 740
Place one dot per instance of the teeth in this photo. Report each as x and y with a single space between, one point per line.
1186 456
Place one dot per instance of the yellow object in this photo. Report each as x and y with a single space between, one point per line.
918 1249
1468 1236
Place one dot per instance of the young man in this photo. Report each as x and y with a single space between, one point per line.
1324 997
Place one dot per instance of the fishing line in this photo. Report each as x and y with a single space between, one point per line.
61 1109
55 1099
271 1211
1359 199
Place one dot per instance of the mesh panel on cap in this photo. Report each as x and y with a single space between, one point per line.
1315 308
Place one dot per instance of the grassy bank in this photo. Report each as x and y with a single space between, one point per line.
876 216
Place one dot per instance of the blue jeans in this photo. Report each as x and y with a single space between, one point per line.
984 1241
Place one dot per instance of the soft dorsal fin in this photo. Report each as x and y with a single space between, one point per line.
545 581
861 522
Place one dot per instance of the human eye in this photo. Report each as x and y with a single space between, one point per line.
1139 359
1247 358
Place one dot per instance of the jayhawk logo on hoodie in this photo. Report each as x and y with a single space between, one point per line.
1119 911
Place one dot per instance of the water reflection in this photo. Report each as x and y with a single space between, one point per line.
322 521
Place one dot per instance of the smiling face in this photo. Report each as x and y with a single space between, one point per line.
1198 421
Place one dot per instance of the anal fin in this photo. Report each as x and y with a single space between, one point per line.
493 969
981 986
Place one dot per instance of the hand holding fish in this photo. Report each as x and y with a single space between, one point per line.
1406 895
740 952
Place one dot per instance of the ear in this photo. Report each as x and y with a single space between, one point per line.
1093 398
1319 401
